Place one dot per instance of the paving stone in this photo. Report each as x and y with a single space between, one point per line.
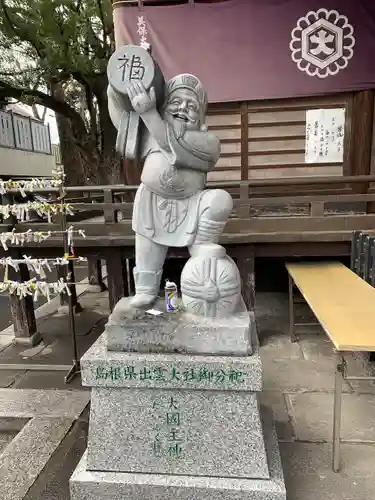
29 353
298 375
58 325
5 439
26 456
278 348
308 472
363 387
5 341
13 354
35 379
275 402
28 403
313 417
59 351
12 424
9 377
271 304
53 482
317 347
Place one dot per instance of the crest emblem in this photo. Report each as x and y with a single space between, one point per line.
322 43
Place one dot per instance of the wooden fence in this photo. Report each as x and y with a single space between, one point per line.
321 209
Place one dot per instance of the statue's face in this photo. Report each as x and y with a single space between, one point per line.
182 108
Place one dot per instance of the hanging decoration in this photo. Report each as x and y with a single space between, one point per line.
29 185
30 236
35 288
22 211
38 266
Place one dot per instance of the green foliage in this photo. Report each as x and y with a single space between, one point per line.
55 54
46 41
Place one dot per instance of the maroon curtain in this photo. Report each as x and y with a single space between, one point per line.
245 49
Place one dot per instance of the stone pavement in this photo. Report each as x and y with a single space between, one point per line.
298 387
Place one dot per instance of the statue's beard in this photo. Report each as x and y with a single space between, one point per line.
179 126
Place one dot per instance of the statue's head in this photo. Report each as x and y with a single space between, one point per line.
185 103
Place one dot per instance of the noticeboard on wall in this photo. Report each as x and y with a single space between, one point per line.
325 135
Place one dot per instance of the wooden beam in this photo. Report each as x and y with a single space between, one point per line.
244 142
358 137
22 310
117 276
246 266
95 274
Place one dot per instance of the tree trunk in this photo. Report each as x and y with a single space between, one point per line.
71 159
78 149
110 165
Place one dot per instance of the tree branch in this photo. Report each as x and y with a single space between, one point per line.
44 100
17 30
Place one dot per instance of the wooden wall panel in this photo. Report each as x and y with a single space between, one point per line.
273 143
277 137
226 123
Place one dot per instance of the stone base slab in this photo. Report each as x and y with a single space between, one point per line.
195 433
86 485
103 368
136 330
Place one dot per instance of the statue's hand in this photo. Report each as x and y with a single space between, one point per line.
139 98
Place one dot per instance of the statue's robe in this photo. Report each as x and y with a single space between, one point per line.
170 198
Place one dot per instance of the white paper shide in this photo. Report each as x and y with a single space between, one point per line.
325 135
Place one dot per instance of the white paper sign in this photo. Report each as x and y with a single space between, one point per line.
325 135
154 312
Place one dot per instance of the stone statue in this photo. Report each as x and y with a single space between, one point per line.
171 207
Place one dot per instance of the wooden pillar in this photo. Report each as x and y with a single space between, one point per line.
131 277
358 137
22 310
244 141
246 265
116 276
95 274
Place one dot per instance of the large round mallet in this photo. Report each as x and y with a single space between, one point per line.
127 64
131 63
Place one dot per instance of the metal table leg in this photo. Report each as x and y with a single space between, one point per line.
339 376
293 337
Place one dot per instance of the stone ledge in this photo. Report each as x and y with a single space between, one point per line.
103 368
29 403
28 453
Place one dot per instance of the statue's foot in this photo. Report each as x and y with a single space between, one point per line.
142 300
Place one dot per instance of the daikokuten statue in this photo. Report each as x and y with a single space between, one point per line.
171 207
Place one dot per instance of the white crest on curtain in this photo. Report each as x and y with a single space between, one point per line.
322 43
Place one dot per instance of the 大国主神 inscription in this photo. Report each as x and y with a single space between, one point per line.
168 433
161 374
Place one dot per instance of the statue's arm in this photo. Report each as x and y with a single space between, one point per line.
157 127
197 150
144 104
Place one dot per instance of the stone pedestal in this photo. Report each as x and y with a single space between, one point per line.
135 330
174 425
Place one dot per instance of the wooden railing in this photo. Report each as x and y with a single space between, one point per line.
274 210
